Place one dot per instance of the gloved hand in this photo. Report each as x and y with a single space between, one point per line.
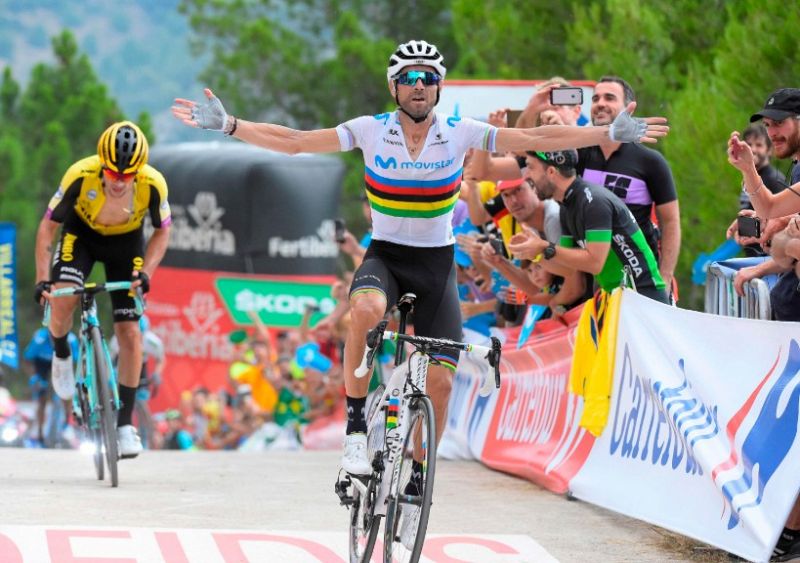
41 287
144 278
210 115
626 128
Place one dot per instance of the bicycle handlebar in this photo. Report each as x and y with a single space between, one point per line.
427 345
94 289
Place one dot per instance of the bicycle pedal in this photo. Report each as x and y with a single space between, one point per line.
341 487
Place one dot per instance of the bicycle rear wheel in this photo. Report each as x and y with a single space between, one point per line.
407 514
364 525
108 419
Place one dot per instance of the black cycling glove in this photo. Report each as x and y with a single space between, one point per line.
41 287
145 279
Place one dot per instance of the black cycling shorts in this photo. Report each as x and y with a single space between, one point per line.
79 247
430 274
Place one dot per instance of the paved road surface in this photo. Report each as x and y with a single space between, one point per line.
181 502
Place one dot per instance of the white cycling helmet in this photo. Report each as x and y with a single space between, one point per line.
415 53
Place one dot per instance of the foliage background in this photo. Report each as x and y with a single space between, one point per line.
706 65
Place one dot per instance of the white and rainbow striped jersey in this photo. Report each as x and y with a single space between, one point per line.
412 201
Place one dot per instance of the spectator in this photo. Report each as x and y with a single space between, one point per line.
638 175
177 437
541 217
610 244
781 116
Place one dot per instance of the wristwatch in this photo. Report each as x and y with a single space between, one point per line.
560 309
550 251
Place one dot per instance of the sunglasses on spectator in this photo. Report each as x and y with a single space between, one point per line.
117 177
410 78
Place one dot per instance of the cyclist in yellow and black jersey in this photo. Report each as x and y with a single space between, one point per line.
100 206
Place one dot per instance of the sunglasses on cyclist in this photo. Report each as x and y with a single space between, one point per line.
117 177
410 78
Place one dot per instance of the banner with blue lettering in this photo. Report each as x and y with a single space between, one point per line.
9 345
702 433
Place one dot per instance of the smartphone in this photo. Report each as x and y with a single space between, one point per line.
338 230
512 116
749 226
566 96
497 245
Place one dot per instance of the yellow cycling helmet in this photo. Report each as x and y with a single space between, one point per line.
123 148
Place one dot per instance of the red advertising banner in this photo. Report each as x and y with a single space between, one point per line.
534 430
193 313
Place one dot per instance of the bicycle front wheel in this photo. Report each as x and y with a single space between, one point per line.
108 418
409 503
364 524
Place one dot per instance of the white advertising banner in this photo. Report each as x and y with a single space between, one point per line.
702 432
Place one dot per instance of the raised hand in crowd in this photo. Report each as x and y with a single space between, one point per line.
550 117
352 247
769 228
538 103
498 118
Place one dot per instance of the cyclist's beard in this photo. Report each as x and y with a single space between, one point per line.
416 113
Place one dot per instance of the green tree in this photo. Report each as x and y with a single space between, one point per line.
522 39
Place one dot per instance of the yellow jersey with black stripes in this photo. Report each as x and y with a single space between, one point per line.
412 200
81 193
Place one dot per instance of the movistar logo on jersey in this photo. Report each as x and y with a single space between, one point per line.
386 164
391 162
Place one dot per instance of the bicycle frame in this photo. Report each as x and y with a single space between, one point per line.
402 385
85 374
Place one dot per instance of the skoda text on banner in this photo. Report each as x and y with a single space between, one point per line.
701 439
9 345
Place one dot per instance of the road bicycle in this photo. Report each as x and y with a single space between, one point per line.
96 400
401 429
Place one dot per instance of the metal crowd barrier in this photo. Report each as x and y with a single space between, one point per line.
722 299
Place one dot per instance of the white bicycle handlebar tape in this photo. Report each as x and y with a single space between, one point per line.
488 383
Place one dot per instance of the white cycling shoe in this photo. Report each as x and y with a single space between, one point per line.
129 443
63 376
354 460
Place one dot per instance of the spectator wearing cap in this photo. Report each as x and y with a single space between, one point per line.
599 234
781 116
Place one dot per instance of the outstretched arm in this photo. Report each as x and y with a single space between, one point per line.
212 115
624 129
